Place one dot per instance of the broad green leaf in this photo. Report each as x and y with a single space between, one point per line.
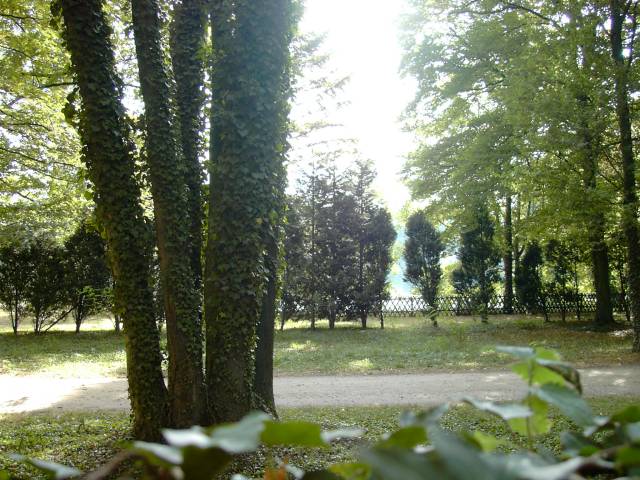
53 471
294 434
532 467
426 418
568 402
629 414
351 471
546 354
575 444
396 464
565 370
628 456
194 436
633 432
485 442
532 372
461 459
537 424
240 437
204 464
157 454
407 437
505 411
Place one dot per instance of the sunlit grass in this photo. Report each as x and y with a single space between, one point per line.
459 343
405 345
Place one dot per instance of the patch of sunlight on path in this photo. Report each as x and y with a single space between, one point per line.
24 394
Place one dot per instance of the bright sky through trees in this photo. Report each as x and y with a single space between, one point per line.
363 41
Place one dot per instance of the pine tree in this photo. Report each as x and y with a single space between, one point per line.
422 251
479 260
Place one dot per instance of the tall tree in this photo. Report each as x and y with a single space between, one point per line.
621 13
372 290
528 280
87 274
168 187
108 156
479 259
16 269
187 57
248 137
507 256
423 249
337 241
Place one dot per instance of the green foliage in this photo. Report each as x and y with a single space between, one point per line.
528 280
43 190
479 259
343 237
421 447
422 252
87 275
15 275
46 304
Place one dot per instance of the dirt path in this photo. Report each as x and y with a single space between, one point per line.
40 393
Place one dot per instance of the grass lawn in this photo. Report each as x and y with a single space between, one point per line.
406 345
88 440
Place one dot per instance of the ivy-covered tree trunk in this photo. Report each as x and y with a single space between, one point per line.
181 300
250 41
508 256
187 56
263 383
629 186
110 164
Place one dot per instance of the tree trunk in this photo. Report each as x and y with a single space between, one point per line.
111 169
263 383
15 318
601 280
508 257
187 44
595 223
181 300
250 41
629 187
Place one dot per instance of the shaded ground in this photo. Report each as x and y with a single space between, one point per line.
39 393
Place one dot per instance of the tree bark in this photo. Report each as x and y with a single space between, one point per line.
263 383
248 137
107 153
167 175
629 186
595 223
601 274
187 56
508 256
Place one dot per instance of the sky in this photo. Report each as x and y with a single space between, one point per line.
362 38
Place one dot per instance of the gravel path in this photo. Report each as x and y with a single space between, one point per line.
40 393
